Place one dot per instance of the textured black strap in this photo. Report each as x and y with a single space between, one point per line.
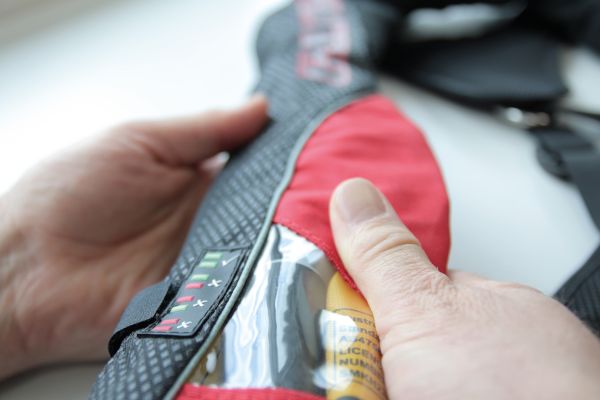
141 311
581 293
584 167
573 157
305 77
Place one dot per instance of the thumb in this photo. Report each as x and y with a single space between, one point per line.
190 140
384 258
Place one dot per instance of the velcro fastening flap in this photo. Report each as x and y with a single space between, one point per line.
141 311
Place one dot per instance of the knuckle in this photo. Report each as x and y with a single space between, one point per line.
391 261
377 240
396 257
426 296
409 279
422 311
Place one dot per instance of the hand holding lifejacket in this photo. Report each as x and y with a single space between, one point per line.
458 336
83 232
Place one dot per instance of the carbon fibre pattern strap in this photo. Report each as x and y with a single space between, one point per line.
581 293
573 157
236 210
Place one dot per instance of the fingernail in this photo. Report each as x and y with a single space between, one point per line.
357 200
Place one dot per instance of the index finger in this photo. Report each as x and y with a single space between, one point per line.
189 140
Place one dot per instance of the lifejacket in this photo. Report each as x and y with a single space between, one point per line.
258 304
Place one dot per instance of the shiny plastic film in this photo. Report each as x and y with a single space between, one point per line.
298 326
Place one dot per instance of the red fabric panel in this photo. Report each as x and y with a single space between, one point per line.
368 138
194 392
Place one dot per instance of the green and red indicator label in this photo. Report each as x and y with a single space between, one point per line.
199 293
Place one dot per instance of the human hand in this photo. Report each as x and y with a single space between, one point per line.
85 231
458 336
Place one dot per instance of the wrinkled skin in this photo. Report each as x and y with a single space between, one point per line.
458 336
84 231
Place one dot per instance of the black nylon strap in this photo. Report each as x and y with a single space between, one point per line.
141 311
237 210
584 168
581 293
574 158
555 145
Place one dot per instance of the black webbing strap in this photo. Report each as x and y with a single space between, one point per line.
584 168
570 156
581 293
141 311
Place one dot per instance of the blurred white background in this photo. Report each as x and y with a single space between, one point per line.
71 70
